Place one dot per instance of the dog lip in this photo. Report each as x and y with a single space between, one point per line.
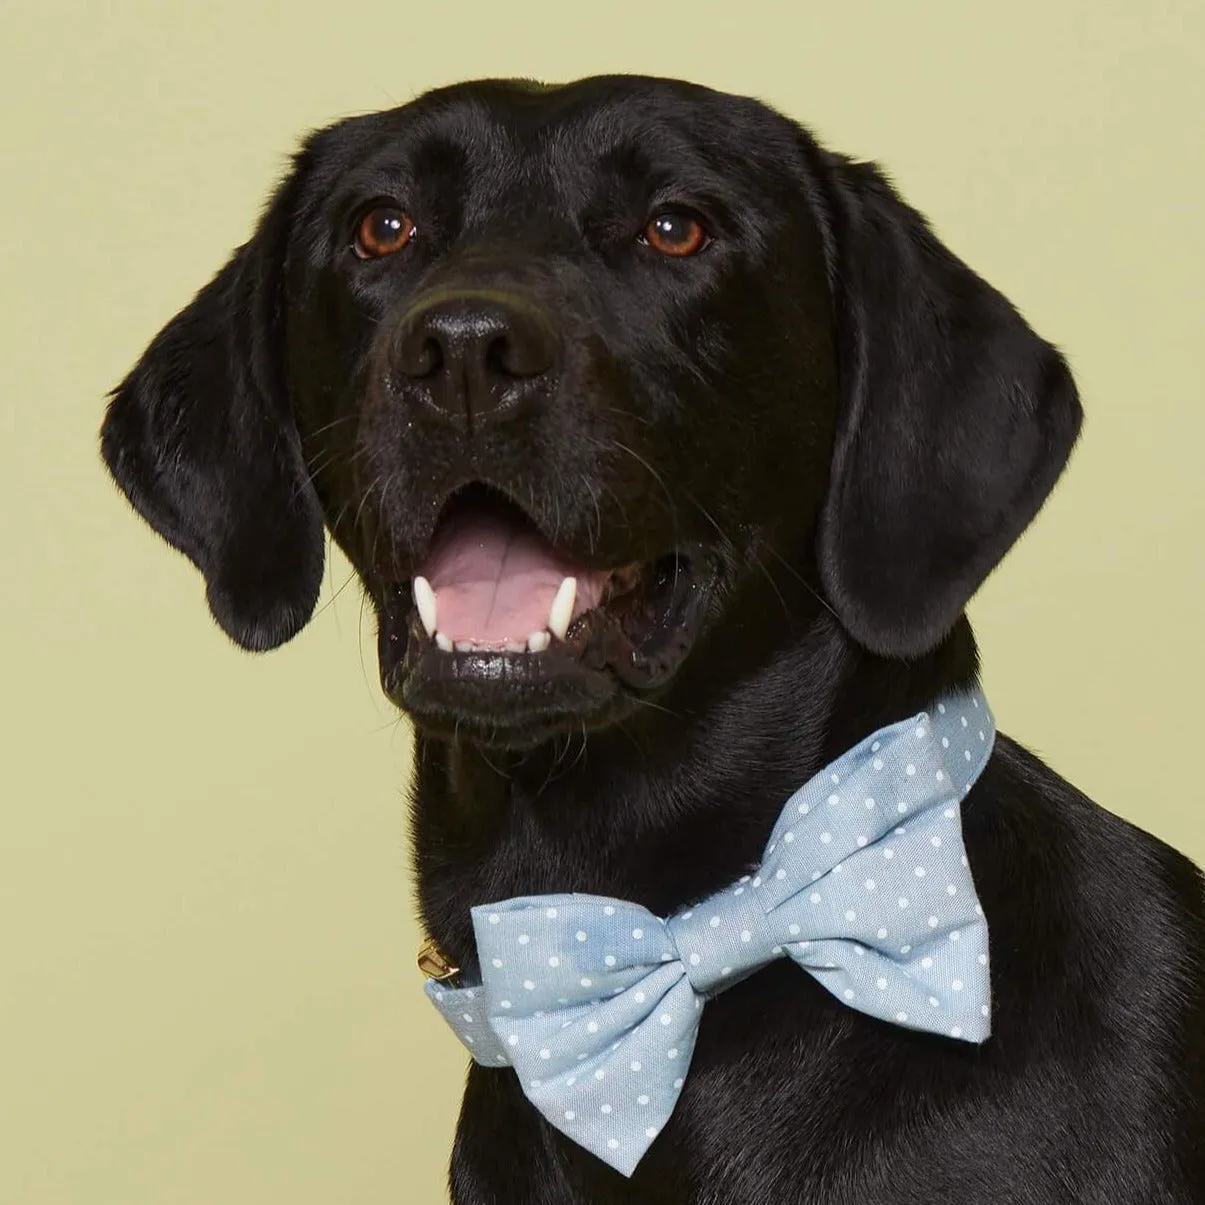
507 699
645 660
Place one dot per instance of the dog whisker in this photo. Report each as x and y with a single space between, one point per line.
669 504
803 581
650 705
363 502
330 602
360 645
316 431
593 536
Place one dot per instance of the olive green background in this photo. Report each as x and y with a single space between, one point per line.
207 988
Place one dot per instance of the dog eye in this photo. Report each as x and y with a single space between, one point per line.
382 231
676 232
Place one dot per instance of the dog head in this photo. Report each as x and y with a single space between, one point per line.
558 367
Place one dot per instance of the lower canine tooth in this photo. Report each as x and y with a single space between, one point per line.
443 642
561 612
424 599
537 642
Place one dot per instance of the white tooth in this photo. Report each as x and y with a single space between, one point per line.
465 646
561 611
424 599
515 646
537 642
443 642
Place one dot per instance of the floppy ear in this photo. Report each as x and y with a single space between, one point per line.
956 422
201 438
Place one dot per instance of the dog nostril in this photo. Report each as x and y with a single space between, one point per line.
506 357
525 347
420 357
431 357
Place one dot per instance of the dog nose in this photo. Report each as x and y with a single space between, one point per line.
475 358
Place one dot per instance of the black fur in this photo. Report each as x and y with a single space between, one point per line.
224 480
848 428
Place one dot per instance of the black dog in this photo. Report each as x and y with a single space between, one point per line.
655 339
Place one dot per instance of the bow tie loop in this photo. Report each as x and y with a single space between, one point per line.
562 950
894 930
596 1015
879 786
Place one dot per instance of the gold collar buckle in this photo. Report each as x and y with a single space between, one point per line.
434 964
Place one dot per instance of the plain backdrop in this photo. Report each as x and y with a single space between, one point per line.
207 981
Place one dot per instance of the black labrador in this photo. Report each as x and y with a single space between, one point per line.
656 340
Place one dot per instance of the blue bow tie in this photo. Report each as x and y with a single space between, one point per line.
864 884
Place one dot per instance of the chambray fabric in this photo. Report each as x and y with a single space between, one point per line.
864 884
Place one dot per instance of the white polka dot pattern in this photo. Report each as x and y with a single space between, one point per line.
595 1002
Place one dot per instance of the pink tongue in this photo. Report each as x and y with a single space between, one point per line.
494 581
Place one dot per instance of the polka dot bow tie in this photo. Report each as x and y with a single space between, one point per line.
865 885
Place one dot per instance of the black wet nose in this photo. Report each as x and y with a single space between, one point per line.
475 358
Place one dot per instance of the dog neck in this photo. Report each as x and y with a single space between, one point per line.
673 803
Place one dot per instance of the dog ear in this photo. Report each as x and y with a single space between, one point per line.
956 420
201 438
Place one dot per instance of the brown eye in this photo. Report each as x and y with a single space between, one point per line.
383 231
676 233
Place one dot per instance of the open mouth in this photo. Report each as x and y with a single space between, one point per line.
495 602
